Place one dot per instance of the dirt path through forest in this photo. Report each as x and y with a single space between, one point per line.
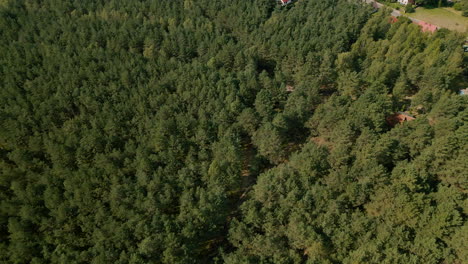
247 177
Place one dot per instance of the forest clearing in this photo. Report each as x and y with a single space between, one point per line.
442 17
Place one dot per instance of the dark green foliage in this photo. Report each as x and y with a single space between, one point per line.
384 194
409 8
134 132
462 5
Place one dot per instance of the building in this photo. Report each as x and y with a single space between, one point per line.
398 118
407 2
426 27
464 91
285 2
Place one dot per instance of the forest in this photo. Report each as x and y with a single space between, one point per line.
229 132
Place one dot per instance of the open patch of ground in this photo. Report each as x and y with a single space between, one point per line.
442 17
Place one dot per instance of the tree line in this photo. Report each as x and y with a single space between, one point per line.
127 128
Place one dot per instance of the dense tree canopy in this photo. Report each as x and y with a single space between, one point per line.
164 132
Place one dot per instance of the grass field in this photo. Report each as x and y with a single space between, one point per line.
442 17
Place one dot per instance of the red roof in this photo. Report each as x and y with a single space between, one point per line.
426 27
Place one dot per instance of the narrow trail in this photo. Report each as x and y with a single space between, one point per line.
394 13
247 177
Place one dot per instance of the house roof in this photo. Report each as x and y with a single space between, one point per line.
426 27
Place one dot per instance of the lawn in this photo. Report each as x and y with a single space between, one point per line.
442 17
